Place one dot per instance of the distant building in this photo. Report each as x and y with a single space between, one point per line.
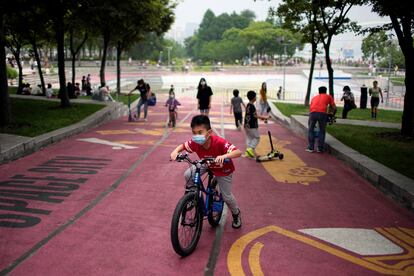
190 29
348 53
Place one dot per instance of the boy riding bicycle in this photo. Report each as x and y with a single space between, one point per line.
205 144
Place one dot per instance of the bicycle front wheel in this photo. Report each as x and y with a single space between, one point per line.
186 225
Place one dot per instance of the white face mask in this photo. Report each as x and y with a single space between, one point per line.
203 83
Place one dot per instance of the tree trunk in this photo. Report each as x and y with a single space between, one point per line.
118 67
16 53
104 54
5 109
327 46
74 53
39 65
60 40
407 125
19 65
312 68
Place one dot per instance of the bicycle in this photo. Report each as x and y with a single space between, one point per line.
172 117
197 204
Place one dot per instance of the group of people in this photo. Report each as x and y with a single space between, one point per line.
323 102
205 144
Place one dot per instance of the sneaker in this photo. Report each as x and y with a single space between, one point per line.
249 152
145 120
319 150
309 150
237 223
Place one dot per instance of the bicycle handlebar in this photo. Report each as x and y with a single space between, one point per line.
184 157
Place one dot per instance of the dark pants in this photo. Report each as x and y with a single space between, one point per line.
238 117
347 108
321 118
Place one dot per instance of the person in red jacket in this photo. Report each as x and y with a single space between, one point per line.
318 108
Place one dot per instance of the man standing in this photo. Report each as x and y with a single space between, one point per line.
318 108
144 90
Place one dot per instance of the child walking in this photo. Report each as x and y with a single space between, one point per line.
251 125
172 104
235 107
205 144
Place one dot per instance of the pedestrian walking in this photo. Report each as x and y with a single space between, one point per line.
251 125
236 108
318 114
279 93
349 101
263 104
83 84
375 92
204 94
144 90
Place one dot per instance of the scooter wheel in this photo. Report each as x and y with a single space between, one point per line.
281 156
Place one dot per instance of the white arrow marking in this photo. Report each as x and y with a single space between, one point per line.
105 142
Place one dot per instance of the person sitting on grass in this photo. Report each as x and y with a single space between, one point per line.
49 91
205 144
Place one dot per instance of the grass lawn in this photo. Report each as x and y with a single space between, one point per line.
34 117
389 116
381 144
398 80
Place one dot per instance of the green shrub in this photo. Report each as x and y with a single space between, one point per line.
11 73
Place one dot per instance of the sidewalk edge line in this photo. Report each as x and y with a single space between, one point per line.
89 207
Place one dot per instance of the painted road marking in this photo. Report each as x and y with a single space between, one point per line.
151 132
292 169
360 241
391 264
114 145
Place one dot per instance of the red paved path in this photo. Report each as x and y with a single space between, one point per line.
118 220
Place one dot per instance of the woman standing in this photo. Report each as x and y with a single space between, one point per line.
375 92
204 94
349 101
263 104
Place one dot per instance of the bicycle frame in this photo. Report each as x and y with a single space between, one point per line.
203 199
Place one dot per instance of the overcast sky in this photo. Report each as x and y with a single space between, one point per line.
192 11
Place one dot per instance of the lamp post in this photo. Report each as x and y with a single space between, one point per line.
160 58
251 48
389 68
281 40
169 57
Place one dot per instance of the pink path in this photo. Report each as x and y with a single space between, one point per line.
118 220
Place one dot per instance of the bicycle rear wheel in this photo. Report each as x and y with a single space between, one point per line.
215 207
186 225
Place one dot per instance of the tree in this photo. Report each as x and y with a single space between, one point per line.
156 16
15 42
211 33
331 19
5 110
373 46
402 21
299 16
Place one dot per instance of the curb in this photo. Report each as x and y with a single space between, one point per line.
395 185
112 111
